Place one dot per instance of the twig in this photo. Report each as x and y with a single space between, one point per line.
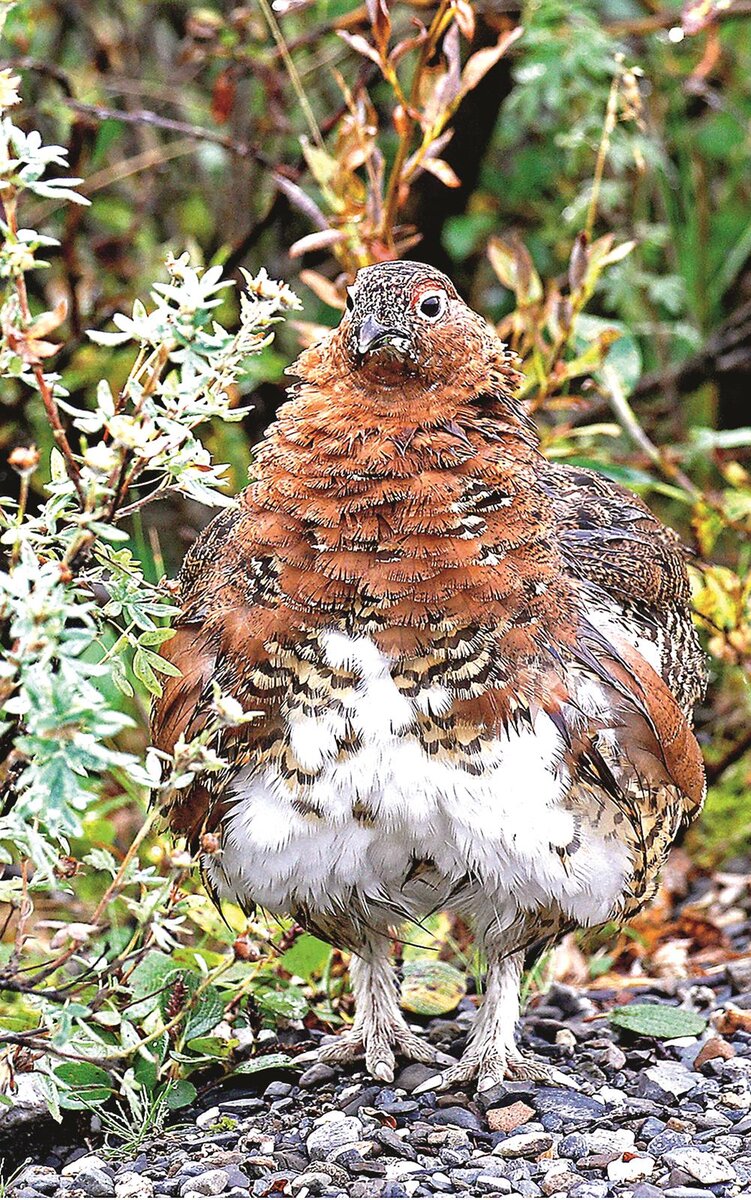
641 26
45 391
628 421
25 910
391 202
291 69
107 897
144 116
196 133
127 510
31 1042
611 117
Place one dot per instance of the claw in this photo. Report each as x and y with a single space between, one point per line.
383 1071
529 1068
434 1084
377 1046
310 1056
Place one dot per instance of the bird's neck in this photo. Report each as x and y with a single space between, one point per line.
404 518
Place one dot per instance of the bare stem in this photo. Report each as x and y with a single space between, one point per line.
611 117
45 391
629 423
107 897
391 202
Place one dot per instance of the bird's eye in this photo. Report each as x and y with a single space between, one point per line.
433 305
349 303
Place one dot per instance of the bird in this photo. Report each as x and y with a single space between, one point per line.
471 672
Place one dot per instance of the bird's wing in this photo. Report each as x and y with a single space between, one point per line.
611 541
623 699
223 587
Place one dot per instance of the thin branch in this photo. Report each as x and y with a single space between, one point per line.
144 116
127 510
628 421
45 391
197 133
641 26
107 897
611 118
292 72
31 1042
391 201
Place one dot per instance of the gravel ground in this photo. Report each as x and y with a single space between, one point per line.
653 1118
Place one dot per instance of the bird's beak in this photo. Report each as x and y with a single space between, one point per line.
372 336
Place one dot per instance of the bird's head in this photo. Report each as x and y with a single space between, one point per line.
405 324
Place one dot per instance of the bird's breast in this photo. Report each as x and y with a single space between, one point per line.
376 773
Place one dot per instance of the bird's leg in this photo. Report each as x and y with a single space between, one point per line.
491 1054
379 1031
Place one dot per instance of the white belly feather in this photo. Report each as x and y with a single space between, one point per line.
501 826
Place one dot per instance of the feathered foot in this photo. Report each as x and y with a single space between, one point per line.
488 1066
492 1055
380 1032
377 1043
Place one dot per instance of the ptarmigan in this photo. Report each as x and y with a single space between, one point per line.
474 669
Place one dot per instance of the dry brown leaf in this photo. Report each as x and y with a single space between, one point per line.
441 169
478 65
316 241
323 288
360 45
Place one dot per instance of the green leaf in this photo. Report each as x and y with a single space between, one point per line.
155 637
289 1003
212 1047
658 1021
161 664
179 1094
85 1084
50 1089
266 1062
144 673
148 982
623 355
146 1073
201 1014
306 957
431 988
208 1012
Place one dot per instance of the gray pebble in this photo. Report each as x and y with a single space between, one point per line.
317 1075
94 1182
208 1183
669 1140
333 1134
411 1076
700 1165
453 1115
568 1105
573 1146
494 1184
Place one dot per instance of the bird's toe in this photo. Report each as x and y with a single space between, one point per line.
523 1067
378 1044
410 1045
488 1070
347 1048
488 1067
